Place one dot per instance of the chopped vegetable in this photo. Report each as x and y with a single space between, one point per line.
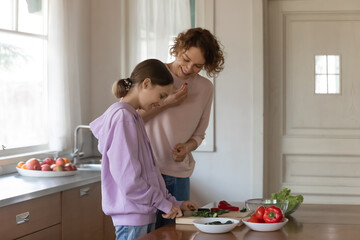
272 215
284 194
218 223
209 213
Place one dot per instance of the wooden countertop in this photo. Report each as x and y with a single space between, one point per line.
310 221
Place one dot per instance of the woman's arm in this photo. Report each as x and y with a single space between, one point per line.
174 99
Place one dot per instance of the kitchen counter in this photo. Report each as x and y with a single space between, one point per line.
15 188
310 221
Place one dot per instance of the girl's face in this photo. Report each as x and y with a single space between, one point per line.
152 95
188 63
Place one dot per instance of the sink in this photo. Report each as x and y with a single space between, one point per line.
89 164
89 167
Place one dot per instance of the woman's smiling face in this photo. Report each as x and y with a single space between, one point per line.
188 63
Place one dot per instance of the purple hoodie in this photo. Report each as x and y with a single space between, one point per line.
131 183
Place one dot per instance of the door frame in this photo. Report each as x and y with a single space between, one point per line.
258 77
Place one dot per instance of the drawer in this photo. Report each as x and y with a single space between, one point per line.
53 233
27 217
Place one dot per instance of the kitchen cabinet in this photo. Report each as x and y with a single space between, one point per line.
31 218
81 214
109 229
67 214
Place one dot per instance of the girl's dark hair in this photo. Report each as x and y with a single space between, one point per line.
206 42
151 68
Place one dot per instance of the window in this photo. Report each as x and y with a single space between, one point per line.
23 76
327 74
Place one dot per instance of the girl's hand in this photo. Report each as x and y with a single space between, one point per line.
188 206
179 152
175 211
177 97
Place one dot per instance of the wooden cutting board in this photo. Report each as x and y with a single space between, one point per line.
188 218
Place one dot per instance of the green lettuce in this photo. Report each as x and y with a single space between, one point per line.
294 201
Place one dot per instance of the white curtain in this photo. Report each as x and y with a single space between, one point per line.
151 28
63 74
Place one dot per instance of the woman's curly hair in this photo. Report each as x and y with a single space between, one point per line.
207 43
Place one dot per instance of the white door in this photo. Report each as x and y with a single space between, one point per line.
312 99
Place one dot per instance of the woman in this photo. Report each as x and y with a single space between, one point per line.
177 126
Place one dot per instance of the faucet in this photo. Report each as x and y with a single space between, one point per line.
76 154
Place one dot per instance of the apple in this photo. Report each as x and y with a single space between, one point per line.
68 167
58 168
60 162
33 164
45 167
49 161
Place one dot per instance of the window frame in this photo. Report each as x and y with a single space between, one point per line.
327 74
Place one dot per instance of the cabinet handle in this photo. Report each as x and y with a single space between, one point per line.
84 191
22 218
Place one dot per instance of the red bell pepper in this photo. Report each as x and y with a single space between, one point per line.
253 219
260 213
273 215
227 206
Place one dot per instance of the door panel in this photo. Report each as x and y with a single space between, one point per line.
313 140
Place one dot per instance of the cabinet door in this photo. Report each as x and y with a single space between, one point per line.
109 229
53 233
82 216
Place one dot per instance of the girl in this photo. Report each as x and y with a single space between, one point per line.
132 186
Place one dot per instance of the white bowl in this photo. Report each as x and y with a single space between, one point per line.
264 227
223 228
38 173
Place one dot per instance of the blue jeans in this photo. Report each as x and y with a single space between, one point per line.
132 232
180 189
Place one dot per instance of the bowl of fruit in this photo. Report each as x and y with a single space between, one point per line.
47 167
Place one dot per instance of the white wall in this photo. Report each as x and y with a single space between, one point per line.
227 173
105 48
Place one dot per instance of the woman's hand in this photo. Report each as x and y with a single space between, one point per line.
179 152
188 206
175 211
176 97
